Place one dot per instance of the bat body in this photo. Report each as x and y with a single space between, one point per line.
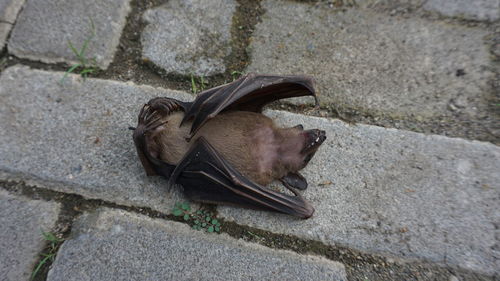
221 149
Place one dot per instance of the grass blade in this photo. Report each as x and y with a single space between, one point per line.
71 69
193 85
40 264
73 49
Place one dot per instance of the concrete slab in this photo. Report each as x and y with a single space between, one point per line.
400 193
73 137
373 63
4 32
22 221
476 10
8 13
45 27
115 245
189 37
9 10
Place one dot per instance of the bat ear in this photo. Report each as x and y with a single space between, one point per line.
140 145
147 123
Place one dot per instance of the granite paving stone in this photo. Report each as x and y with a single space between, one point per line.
44 29
374 63
116 245
475 10
74 137
189 36
22 221
8 13
478 10
396 192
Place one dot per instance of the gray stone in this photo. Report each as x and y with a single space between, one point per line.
9 10
44 29
115 245
395 192
476 10
189 36
8 13
4 32
22 221
73 137
374 63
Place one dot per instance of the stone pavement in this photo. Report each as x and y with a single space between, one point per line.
177 40
390 204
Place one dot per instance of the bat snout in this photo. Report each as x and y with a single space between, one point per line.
314 138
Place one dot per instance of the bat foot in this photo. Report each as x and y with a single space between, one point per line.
294 181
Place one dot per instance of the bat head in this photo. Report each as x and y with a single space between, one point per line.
299 146
312 140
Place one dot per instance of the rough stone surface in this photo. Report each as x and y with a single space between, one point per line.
374 63
476 10
189 36
21 241
74 137
9 10
4 32
115 245
405 194
44 28
8 13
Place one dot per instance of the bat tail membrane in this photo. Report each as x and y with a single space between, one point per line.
206 176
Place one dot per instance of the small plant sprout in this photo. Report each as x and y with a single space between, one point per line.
198 86
193 85
199 220
85 65
50 252
203 84
236 74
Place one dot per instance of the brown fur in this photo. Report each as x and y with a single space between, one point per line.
249 141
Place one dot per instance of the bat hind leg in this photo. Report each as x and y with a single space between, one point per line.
294 180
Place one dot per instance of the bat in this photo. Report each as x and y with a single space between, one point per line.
221 149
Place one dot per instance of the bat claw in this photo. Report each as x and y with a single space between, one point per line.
164 104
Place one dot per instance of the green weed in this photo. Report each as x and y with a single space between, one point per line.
198 86
50 252
236 74
85 65
199 220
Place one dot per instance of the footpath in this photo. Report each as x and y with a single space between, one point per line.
406 186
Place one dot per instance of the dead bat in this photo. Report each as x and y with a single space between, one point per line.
222 150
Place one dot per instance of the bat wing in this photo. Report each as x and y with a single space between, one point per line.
207 177
249 93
